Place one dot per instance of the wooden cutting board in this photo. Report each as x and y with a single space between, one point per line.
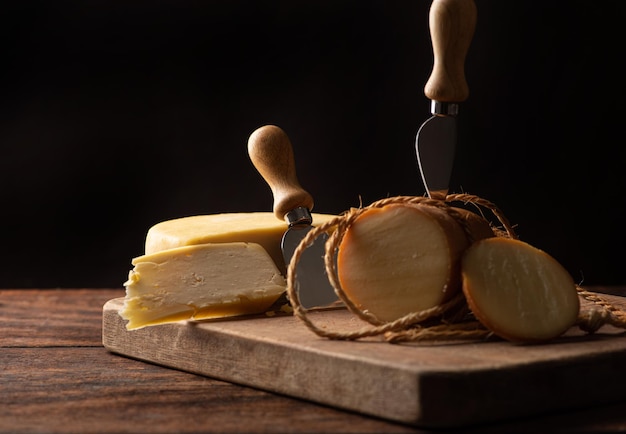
429 384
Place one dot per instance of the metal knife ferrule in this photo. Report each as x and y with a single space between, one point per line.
441 108
298 216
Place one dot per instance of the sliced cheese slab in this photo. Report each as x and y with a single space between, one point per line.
199 282
262 228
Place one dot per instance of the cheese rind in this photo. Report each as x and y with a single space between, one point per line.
262 228
199 282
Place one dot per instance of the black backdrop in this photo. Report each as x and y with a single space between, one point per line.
117 115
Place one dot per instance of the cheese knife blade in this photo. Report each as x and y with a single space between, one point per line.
451 24
271 153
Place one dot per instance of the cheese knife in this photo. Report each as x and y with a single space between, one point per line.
451 24
271 153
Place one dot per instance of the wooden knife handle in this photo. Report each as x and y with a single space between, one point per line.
271 153
452 24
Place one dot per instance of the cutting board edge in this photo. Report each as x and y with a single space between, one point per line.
407 413
421 403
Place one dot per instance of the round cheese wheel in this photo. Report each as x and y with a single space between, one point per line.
400 259
518 291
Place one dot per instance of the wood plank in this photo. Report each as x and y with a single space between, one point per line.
433 384
79 390
52 317
611 290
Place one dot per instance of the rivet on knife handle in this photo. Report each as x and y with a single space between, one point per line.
272 154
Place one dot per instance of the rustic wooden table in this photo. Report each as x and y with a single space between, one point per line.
55 376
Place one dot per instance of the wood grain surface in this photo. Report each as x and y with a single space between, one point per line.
56 377
433 383
52 318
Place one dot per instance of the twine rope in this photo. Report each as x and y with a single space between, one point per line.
409 327
604 313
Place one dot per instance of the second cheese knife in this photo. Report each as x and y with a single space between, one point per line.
452 24
271 153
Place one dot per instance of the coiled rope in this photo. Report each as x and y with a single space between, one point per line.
449 320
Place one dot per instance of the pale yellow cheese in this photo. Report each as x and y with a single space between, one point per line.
518 291
200 282
262 228
207 266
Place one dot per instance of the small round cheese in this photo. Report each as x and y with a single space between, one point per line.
518 291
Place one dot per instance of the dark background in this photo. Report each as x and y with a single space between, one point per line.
115 115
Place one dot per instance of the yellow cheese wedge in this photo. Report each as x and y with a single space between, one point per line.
208 266
262 228
200 282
